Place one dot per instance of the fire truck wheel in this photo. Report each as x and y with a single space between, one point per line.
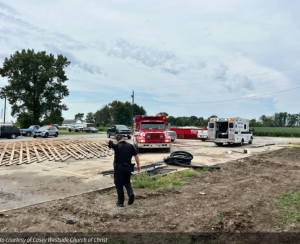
203 139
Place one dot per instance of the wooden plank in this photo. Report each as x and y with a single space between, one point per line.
12 153
52 153
21 154
2 154
61 158
49 157
28 154
91 149
36 153
82 152
68 150
78 151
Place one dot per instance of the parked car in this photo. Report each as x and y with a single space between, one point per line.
30 130
45 132
90 130
172 134
9 132
119 129
75 128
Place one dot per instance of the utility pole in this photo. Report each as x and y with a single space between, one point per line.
4 108
132 110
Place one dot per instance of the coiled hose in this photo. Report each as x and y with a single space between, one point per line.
184 159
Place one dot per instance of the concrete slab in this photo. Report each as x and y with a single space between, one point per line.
23 185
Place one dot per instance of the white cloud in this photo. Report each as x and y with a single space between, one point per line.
173 52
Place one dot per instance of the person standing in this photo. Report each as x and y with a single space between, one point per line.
122 168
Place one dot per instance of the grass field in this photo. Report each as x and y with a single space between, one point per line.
277 131
65 132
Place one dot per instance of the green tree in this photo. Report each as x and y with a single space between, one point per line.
254 123
172 120
79 116
163 113
55 117
267 121
35 83
118 112
292 120
193 120
90 118
24 120
103 116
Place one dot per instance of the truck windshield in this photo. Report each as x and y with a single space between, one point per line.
121 127
152 126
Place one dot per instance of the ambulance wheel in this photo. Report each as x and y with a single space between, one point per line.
219 144
242 142
250 142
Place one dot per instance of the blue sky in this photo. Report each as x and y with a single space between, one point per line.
179 57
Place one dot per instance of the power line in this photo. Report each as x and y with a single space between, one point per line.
205 93
241 98
101 101
206 82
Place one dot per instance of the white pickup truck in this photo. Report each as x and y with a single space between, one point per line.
203 135
75 128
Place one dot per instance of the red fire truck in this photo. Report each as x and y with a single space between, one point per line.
151 132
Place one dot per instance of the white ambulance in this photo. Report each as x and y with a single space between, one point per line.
229 130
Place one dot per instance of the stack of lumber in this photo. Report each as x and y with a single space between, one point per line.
26 152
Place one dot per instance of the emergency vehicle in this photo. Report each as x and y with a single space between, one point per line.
203 134
229 130
151 132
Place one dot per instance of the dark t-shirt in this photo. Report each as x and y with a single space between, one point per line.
123 151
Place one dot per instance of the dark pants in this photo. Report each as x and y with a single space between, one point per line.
122 175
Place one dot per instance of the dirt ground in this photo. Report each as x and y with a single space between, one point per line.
25 185
237 198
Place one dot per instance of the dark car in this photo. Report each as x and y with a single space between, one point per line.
45 132
9 132
90 130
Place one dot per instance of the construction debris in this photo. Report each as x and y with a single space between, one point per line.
26 152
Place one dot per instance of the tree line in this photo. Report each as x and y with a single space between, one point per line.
115 112
282 119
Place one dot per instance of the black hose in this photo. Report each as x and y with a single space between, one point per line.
184 159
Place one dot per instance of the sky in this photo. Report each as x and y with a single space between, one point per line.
232 58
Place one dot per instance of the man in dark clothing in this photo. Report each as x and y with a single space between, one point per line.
122 167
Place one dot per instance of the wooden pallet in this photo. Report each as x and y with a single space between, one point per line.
26 152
